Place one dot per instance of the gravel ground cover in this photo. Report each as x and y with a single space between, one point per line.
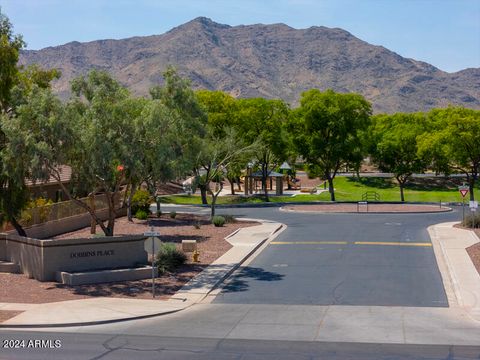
211 245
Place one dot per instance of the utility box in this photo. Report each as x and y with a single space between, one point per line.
189 245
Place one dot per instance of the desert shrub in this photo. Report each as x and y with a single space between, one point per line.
229 219
37 211
169 258
159 213
469 220
173 214
141 215
218 221
141 201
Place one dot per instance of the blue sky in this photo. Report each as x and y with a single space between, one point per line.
445 33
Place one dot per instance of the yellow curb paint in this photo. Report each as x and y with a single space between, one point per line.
391 243
309 243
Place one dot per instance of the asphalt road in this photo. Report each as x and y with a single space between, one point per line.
128 347
288 272
318 261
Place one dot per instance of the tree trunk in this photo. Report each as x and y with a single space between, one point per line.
112 214
18 227
232 186
401 183
203 193
471 187
331 190
237 180
264 181
133 188
82 205
214 200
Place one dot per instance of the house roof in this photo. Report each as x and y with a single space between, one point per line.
65 176
269 174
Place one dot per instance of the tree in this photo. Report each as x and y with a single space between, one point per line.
453 143
394 148
16 84
263 122
326 129
10 46
91 134
221 110
217 154
190 122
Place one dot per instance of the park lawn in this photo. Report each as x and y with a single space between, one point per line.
352 189
422 190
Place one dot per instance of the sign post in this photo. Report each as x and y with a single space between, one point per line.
463 191
473 208
151 246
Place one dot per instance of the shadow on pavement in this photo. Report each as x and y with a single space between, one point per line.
240 281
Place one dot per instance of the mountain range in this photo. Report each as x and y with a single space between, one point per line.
271 61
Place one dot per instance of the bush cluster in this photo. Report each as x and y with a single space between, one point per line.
229 219
141 215
218 221
141 200
469 220
169 258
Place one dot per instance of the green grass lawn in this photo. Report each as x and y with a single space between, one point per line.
351 189
427 190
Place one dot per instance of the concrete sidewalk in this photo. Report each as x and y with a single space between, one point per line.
105 310
460 277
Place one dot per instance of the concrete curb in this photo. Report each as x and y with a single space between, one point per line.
459 276
447 209
318 202
190 296
203 291
86 323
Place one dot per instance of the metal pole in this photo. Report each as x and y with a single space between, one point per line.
463 211
153 267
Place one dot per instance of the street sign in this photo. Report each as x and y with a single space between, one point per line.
473 205
151 245
463 190
151 233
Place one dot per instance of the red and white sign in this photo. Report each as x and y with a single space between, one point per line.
463 190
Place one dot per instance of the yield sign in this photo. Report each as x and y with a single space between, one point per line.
463 190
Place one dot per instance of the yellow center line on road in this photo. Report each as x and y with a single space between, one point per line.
391 243
380 243
309 243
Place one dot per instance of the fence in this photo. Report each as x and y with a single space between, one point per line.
64 209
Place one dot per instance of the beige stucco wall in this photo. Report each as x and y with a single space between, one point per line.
41 259
57 227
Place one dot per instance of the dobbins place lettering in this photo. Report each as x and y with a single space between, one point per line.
83 254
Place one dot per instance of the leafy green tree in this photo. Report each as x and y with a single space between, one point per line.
10 46
190 121
221 110
91 134
217 154
263 122
326 129
394 146
452 144
16 85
